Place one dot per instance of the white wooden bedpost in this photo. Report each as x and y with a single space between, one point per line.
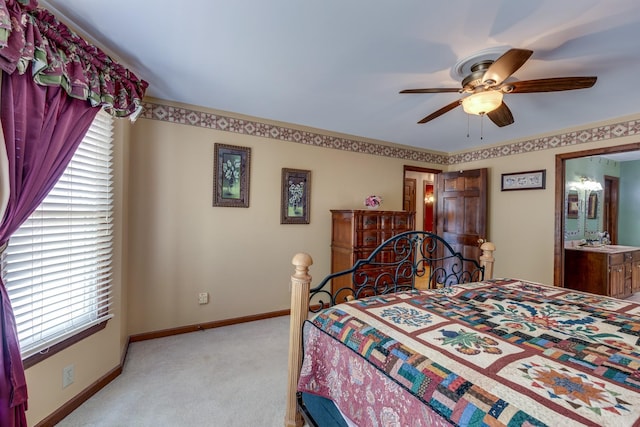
300 285
487 259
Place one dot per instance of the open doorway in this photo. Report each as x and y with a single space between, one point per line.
428 218
611 196
419 195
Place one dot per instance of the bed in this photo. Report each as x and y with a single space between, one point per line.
469 350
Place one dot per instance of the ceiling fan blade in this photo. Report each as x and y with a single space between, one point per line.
501 116
505 65
432 90
440 112
550 85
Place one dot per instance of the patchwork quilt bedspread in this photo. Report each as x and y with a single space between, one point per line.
499 352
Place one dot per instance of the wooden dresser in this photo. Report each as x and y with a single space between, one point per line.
356 233
613 271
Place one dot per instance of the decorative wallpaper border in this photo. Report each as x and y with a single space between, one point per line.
599 133
185 116
190 117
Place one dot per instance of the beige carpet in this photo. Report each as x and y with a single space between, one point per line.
635 297
234 376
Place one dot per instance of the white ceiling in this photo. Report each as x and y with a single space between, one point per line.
339 64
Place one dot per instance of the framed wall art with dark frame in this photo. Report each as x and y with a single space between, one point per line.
231 171
531 180
296 196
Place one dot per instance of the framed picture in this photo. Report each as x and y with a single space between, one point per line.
296 196
533 180
592 205
573 205
231 167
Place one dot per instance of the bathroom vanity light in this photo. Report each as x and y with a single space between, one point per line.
586 184
590 185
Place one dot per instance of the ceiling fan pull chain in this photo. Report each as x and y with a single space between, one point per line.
481 125
468 125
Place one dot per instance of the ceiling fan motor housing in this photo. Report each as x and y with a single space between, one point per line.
474 79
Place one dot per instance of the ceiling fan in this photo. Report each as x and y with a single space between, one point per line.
486 85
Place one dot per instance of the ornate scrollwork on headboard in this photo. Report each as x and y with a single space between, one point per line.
400 263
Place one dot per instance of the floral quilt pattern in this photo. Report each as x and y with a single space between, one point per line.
499 352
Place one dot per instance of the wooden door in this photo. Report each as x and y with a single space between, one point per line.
616 281
462 210
409 196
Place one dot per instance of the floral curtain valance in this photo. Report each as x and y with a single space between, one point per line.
30 35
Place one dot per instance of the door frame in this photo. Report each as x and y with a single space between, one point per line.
435 172
412 203
558 250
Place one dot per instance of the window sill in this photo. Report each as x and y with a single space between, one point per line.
39 357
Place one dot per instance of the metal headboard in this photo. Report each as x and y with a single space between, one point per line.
398 264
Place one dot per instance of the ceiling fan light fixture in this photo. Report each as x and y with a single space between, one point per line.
482 102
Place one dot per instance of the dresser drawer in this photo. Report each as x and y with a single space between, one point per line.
367 222
372 238
368 238
386 256
615 259
371 221
402 223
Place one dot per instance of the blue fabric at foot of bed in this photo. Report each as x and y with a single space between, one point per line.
323 411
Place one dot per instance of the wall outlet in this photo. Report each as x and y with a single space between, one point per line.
203 298
68 373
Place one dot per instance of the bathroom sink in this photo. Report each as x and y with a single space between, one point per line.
601 248
608 248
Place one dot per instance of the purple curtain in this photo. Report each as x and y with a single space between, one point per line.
42 128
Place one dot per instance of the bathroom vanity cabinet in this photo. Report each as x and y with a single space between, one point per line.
610 270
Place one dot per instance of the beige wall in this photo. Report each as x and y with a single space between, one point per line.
241 256
172 244
179 245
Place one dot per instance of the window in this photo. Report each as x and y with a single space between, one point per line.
57 266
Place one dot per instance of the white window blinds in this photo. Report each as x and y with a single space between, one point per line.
57 266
